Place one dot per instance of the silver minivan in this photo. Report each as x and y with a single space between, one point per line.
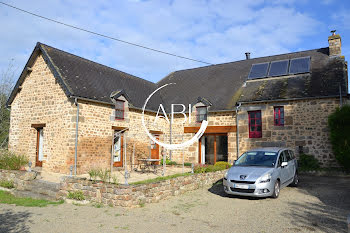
262 172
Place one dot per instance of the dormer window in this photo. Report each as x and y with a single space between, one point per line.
119 110
202 113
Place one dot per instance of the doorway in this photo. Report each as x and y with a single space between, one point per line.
118 149
213 148
39 147
155 149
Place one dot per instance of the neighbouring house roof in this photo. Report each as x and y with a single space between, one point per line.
221 85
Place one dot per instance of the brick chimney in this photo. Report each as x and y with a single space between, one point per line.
334 44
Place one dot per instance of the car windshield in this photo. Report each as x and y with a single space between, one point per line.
257 158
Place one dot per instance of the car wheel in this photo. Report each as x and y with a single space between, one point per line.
276 190
295 180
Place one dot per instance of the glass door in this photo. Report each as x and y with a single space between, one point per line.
39 148
213 148
118 150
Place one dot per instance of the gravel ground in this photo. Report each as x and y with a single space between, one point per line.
319 204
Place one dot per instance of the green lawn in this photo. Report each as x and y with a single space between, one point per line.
8 198
161 178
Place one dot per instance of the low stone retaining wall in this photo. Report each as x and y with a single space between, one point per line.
20 179
26 185
135 195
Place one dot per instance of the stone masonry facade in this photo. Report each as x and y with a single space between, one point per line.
43 101
305 129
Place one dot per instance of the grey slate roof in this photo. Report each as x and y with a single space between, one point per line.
80 77
221 85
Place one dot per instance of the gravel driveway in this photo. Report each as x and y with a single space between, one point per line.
319 204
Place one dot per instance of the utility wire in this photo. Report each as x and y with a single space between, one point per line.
105 36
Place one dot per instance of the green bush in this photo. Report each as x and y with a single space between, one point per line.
7 184
223 165
11 161
104 175
115 179
93 173
76 195
308 163
339 125
187 164
168 162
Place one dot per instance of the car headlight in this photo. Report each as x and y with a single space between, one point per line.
265 178
225 176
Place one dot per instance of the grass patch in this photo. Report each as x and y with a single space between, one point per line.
218 166
7 184
142 204
8 198
97 205
161 178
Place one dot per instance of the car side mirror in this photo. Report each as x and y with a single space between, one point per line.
284 164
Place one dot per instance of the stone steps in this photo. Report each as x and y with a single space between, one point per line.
40 189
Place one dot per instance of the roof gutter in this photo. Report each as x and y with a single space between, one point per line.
291 99
107 103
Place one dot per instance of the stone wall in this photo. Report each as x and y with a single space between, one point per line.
41 100
134 195
305 128
26 184
96 133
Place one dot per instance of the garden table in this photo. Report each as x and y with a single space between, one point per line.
148 165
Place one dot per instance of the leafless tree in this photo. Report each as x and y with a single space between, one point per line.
7 79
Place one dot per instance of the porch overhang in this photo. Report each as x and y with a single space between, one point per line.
212 129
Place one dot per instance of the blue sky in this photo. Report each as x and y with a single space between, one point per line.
210 30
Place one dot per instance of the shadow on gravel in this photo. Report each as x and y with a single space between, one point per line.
14 221
327 216
218 189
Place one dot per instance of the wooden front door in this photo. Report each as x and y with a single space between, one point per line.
39 147
155 150
118 150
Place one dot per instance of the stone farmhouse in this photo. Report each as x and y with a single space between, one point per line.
69 111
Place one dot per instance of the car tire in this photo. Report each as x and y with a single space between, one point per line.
295 180
276 189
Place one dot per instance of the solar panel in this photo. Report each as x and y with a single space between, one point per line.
278 68
258 70
299 65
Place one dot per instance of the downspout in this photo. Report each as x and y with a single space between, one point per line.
237 129
76 137
340 96
170 141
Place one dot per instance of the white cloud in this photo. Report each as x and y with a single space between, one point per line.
214 30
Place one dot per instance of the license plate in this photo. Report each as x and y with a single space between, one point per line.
242 186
